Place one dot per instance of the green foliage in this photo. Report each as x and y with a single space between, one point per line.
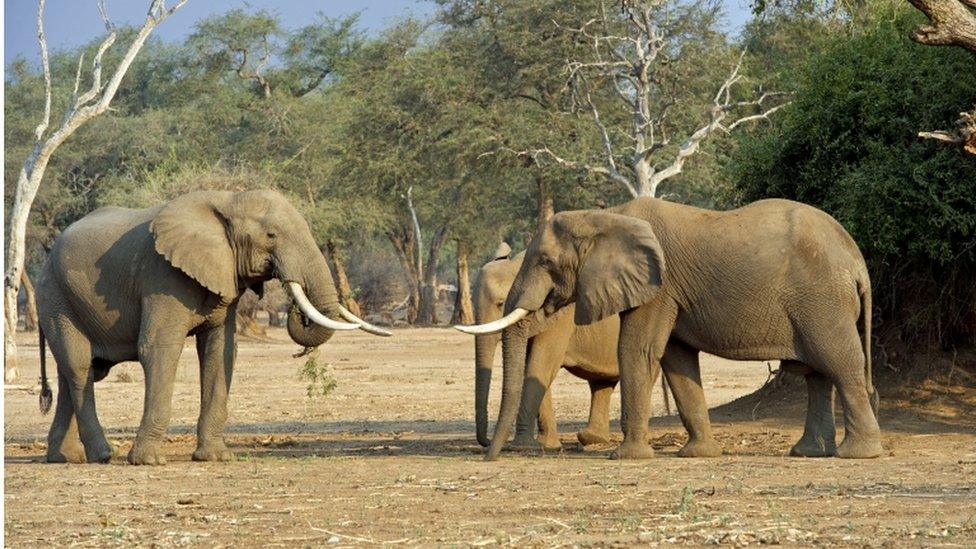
317 377
849 145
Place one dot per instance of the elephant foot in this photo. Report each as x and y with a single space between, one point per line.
814 446
633 450
701 447
860 447
69 453
146 454
590 436
213 452
525 442
550 442
99 452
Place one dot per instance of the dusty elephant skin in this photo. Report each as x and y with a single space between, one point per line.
772 280
588 352
123 284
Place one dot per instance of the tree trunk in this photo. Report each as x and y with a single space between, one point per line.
30 307
545 207
247 316
342 281
427 313
403 244
463 307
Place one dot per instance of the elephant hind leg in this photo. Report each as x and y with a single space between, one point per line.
63 443
597 430
820 432
73 354
843 363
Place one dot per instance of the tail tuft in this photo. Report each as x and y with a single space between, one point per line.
46 398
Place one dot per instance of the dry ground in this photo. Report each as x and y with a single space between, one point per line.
390 458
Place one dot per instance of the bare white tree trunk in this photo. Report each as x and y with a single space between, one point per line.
81 108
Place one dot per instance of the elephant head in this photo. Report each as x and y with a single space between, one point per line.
490 290
603 262
228 242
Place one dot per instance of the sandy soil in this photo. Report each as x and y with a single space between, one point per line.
389 457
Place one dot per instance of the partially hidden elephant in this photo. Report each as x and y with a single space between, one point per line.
588 352
123 284
772 280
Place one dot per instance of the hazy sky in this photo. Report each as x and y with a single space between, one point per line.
69 23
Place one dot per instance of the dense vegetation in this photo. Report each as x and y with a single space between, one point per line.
365 130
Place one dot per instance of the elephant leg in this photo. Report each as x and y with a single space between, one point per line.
217 351
683 372
842 361
63 442
159 358
75 414
819 433
597 430
644 333
548 432
545 358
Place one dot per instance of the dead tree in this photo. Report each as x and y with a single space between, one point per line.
953 23
631 64
463 306
83 105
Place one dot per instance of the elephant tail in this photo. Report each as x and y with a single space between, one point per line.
46 395
864 288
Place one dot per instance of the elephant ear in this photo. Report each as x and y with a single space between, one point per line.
502 252
623 266
191 234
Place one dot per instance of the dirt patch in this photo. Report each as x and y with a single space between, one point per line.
389 457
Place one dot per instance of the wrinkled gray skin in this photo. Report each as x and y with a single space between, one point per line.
123 284
772 280
588 352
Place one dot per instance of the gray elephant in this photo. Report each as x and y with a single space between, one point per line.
588 352
772 280
123 284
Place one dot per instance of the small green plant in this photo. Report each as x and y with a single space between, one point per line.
687 500
316 374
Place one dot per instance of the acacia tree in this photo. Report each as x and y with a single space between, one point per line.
81 107
631 58
953 23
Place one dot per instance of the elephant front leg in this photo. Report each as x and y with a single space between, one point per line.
683 372
548 431
597 430
159 362
63 442
820 431
217 352
643 334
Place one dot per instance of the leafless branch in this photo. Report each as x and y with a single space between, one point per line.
964 136
42 40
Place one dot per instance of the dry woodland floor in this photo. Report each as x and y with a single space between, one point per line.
389 457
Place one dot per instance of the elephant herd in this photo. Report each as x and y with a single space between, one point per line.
614 295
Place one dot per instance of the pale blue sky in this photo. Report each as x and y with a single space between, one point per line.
69 23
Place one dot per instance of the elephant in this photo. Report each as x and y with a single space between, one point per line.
772 280
588 352
132 284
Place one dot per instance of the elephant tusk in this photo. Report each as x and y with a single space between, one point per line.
495 326
363 325
312 313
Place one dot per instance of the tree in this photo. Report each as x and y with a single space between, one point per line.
953 23
82 106
847 145
633 59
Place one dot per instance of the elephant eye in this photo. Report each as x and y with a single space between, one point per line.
272 236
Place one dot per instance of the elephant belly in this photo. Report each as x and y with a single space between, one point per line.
753 332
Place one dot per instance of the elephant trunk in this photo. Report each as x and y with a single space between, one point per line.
514 348
484 349
316 281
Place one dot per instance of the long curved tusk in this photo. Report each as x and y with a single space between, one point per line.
495 326
312 313
363 325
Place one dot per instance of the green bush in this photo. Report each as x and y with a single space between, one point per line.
848 144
